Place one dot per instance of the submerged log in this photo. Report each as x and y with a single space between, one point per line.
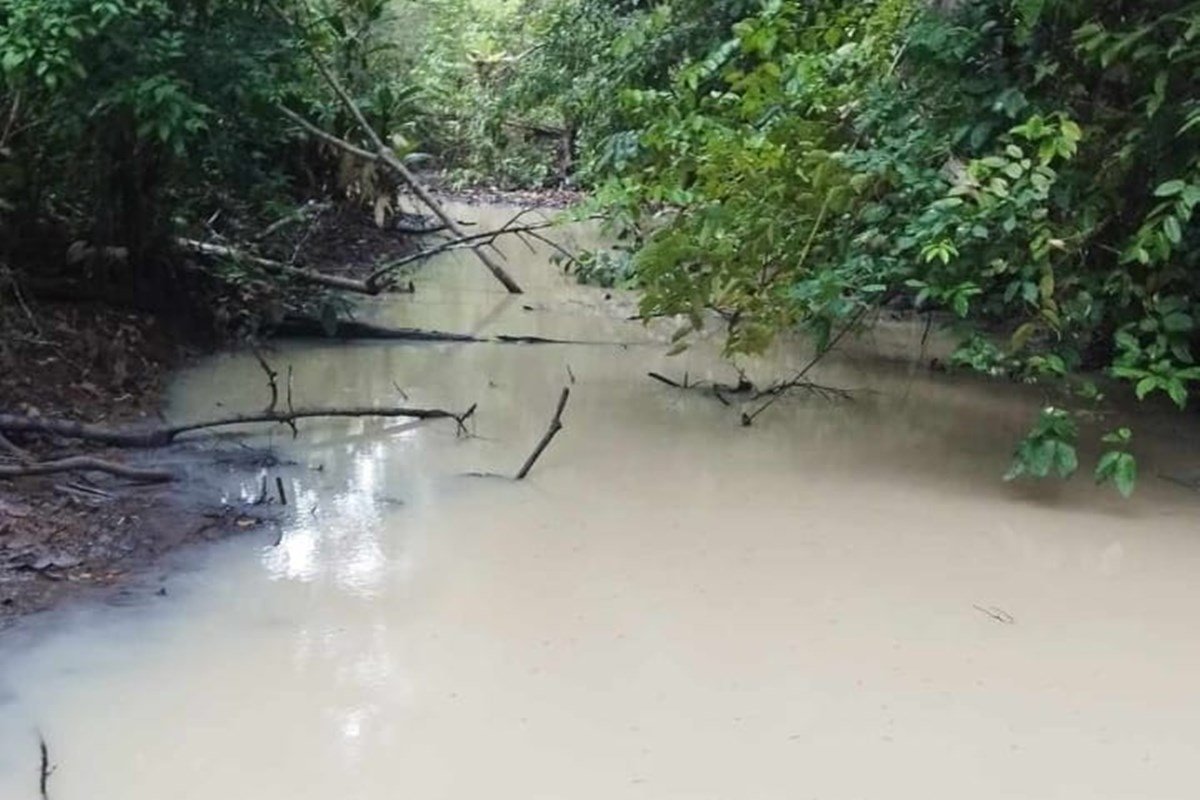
297 326
310 327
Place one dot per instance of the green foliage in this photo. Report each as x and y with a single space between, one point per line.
1118 465
1029 170
120 109
1049 449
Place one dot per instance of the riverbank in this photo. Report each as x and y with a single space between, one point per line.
87 533
73 533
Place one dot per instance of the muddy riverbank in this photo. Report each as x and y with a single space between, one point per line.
71 534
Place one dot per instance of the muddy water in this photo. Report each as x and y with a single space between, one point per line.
840 602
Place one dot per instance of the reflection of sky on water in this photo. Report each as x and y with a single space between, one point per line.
335 535
339 536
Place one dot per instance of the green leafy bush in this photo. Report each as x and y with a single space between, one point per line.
1031 169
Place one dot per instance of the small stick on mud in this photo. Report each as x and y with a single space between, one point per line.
997 613
462 421
261 500
664 379
291 423
555 426
279 489
46 769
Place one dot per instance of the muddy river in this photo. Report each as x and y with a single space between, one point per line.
843 601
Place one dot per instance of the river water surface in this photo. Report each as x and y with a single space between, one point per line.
843 601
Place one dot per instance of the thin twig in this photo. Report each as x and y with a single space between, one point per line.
798 381
291 408
261 500
555 426
272 382
45 769
465 242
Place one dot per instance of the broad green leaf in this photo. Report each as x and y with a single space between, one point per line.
1170 188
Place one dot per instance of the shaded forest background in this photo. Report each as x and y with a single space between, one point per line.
1023 172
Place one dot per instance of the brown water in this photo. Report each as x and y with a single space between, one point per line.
673 606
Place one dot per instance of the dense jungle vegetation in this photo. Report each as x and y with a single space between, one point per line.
1022 171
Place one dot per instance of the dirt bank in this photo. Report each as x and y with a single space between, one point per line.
62 534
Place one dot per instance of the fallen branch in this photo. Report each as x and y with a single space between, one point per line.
279 268
161 436
555 426
84 464
465 241
388 157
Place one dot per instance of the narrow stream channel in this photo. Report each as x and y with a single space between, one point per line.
843 601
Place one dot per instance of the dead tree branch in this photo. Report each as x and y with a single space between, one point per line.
161 436
279 268
472 241
84 464
799 381
388 157
555 426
